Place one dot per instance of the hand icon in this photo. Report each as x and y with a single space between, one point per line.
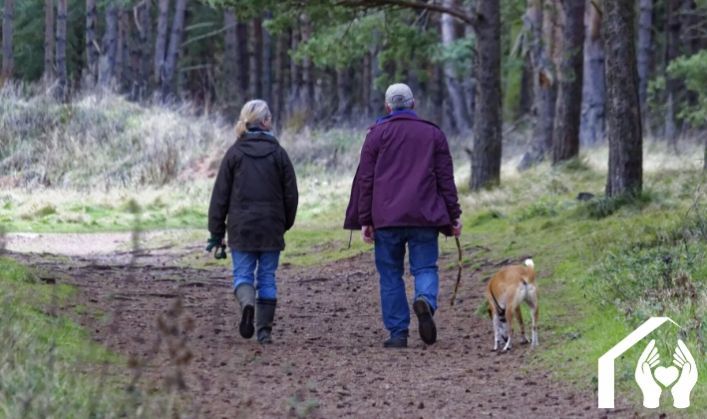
644 376
682 358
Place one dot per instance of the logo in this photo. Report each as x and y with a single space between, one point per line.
651 375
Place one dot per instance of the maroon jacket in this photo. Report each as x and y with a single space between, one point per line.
405 177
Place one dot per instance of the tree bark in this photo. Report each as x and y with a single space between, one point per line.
486 155
459 110
107 61
623 112
161 39
230 61
92 48
593 90
173 51
61 72
672 51
8 58
645 48
49 40
569 95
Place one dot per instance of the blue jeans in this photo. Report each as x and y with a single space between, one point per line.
390 256
244 264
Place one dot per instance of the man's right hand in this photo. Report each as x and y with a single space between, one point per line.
457 227
367 234
214 242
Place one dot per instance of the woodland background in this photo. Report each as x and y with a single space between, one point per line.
552 67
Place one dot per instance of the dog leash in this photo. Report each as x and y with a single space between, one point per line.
459 269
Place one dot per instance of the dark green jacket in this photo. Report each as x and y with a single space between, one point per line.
255 194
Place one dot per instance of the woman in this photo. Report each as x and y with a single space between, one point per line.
256 191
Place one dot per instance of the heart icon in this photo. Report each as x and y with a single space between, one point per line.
666 376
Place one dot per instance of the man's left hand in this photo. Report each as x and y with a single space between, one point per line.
457 227
367 234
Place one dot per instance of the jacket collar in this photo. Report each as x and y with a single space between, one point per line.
396 115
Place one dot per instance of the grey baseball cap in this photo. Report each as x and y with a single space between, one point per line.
399 95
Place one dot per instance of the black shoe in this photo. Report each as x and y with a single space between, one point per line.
246 327
396 342
428 330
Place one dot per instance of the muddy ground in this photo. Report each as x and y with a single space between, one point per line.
327 360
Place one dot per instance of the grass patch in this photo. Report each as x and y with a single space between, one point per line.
50 367
604 269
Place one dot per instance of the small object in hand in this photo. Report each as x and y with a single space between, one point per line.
220 252
213 242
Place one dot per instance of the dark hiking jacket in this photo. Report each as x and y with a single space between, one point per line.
255 194
405 177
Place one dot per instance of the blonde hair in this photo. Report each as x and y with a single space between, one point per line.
253 112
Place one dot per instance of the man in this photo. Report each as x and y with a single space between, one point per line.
404 193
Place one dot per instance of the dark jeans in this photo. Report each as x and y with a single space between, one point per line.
390 256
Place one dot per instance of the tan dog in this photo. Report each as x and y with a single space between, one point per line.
505 292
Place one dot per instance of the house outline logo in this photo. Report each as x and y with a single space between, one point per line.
606 370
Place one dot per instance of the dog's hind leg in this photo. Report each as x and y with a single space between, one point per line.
534 318
496 336
509 327
523 336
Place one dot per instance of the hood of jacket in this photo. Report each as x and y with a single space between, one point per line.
257 144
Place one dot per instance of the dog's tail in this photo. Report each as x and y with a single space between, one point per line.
529 263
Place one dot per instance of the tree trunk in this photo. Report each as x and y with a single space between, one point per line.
256 59
92 47
122 51
144 39
267 77
243 60
161 39
8 60
569 95
672 51
459 111
366 84
645 48
343 92
623 125
593 92
175 44
486 155
307 70
61 72
49 40
282 68
541 22
107 61
230 62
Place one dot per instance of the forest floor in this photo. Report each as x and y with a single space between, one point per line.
327 359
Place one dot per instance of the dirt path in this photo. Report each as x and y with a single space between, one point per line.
327 360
